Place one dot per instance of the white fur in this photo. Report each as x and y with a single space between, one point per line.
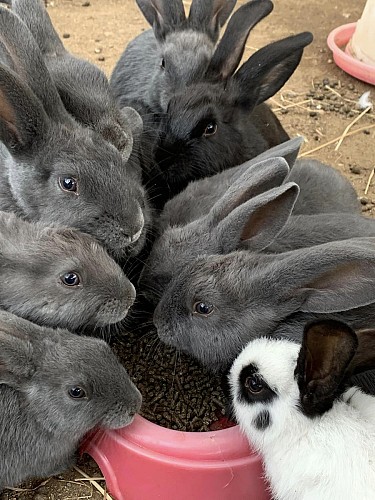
331 457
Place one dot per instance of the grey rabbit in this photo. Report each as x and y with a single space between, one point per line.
58 276
217 304
54 388
83 87
53 169
249 200
221 120
173 54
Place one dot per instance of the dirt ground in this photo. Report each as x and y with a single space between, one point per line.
318 102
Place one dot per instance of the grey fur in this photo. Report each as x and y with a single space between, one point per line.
255 295
42 143
199 221
40 424
33 259
186 46
83 87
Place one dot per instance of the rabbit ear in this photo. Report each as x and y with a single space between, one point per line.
288 150
19 51
23 122
229 51
258 221
332 277
327 349
266 71
34 14
163 15
15 355
364 358
210 15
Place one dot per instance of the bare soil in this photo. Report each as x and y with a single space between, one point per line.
99 31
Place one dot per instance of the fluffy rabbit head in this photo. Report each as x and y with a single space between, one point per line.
83 87
216 305
214 123
58 171
70 383
60 276
184 45
273 380
248 200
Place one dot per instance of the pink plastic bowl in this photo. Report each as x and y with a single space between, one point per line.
147 462
339 38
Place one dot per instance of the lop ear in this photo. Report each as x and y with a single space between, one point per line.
163 15
23 122
327 350
210 15
16 364
266 71
257 222
229 51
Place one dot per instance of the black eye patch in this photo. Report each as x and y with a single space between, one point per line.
262 420
253 388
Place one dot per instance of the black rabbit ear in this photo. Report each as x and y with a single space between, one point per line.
163 15
266 71
231 47
364 358
23 122
327 349
16 364
209 15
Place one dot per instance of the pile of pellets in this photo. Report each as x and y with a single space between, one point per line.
177 392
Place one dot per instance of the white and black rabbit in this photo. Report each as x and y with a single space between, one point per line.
293 405
53 169
83 87
176 52
58 276
221 120
218 303
208 219
54 388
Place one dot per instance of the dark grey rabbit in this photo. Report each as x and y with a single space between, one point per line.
216 305
221 120
210 211
83 87
175 53
53 169
59 277
54 388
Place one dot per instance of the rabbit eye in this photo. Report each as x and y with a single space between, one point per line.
68 184
210 129
203 309
70 279
254 383
162 64
77 392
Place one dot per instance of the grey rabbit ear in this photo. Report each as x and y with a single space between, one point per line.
35 16
288 150
259 221
258 178
230 49
16 364
327 349
332 277
266 71
364 358
163 15
133 121
18 50
23 122
210 15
